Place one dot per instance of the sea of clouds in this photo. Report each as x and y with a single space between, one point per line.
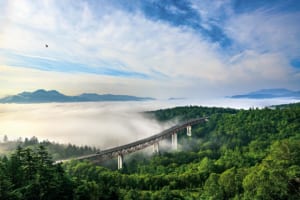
100 124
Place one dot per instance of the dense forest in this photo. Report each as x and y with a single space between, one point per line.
56 150
237 154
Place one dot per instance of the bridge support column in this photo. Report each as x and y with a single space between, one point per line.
120 161
156 147
174 141
189 130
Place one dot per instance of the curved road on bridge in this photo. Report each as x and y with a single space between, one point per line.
139 144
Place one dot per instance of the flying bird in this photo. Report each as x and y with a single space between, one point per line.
46 45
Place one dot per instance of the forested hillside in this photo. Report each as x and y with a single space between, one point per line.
237 154
56 150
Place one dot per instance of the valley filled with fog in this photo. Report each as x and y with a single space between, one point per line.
100 124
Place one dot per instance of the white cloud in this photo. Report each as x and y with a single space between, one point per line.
177 59
101 124
262 70
140 44
212 12
266 31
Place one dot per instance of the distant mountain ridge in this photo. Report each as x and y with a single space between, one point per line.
270 93
44 96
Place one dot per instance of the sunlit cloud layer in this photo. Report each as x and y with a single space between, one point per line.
99 124
149 48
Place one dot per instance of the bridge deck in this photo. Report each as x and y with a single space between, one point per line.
139 144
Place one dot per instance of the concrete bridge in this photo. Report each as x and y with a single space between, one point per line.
121 151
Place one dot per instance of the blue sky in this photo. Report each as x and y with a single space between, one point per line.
191 48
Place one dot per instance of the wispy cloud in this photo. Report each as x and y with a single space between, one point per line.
165 44
266 31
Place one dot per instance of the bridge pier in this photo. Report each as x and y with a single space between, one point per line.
122 150
189 130
174 141
156 147
120 161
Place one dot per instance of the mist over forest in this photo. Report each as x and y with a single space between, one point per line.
100 124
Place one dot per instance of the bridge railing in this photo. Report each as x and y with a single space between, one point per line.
142 143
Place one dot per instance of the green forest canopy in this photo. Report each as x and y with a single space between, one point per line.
238 154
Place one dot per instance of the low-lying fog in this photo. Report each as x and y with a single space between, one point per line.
101 124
